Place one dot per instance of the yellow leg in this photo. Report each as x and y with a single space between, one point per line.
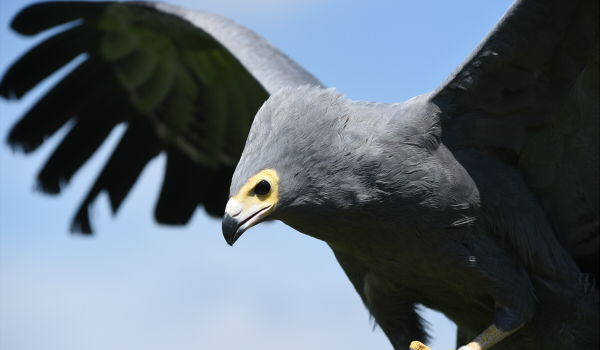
484 341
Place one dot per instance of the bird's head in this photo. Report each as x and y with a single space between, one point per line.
283 152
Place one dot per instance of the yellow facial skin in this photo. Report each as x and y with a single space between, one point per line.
249 199
247 208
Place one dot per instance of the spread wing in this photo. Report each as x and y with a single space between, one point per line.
528 94
185 83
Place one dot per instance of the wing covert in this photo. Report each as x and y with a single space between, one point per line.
528 94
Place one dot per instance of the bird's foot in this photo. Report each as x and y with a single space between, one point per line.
417 345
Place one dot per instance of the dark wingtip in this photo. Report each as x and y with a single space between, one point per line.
8 92
50 186
39 17
81 222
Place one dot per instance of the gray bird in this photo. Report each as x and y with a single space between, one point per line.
479 199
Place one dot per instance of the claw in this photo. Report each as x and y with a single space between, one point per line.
417 345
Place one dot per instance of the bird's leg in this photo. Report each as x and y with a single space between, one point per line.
491 336
510 288
487 339
484 341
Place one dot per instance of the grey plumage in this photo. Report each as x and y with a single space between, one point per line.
451 199
413 222
479 199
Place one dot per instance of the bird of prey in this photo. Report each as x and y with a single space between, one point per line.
478 199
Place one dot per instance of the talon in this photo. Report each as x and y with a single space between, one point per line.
417 345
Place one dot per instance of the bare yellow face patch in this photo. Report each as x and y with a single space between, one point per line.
251 205
250 198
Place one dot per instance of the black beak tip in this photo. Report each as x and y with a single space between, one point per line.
230 226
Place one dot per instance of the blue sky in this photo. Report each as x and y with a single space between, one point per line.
137 285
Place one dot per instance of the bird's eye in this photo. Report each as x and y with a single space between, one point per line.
262 187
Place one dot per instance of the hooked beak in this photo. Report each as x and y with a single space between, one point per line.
238 218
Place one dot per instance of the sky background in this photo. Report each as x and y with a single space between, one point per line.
137 285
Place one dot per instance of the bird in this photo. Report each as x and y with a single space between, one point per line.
444 162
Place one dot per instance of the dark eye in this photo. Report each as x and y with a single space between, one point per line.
262 188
